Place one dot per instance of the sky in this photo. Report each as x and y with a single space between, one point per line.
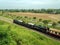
29 4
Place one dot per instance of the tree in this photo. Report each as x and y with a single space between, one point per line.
40 19
25 17
43 11
50 11
34 17
59 22
45 21
54 24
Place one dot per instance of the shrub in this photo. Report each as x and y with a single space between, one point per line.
54 24
6 36
34 17
40 19
25 17
45 21
5 39
59 22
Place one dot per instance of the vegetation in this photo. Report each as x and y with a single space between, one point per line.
54 24
11 34
40 19
18 35
6 35
26 17
50 11
45 21
59 22
34 17
34 20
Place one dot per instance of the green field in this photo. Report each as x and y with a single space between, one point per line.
29 18
11 34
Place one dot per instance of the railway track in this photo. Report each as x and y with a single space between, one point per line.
11 21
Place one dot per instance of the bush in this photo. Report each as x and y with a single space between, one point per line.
6 36
59 22
34 17
54 24
25 17
40 19
45 21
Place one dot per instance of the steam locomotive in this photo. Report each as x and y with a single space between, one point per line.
39 28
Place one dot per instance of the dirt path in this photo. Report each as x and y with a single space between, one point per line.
6 19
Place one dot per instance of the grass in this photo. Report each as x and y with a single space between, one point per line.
18 35
21 16
53 17
30 19
43 16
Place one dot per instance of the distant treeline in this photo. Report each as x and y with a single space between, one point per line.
50 11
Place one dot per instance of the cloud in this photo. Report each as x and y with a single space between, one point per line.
29 3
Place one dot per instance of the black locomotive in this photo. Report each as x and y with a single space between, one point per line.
39 28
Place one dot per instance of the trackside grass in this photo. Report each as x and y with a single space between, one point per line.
11 34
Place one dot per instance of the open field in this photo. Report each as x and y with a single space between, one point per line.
21 16
43 16
53 17
23 36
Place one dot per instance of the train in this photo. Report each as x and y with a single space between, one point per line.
43 29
